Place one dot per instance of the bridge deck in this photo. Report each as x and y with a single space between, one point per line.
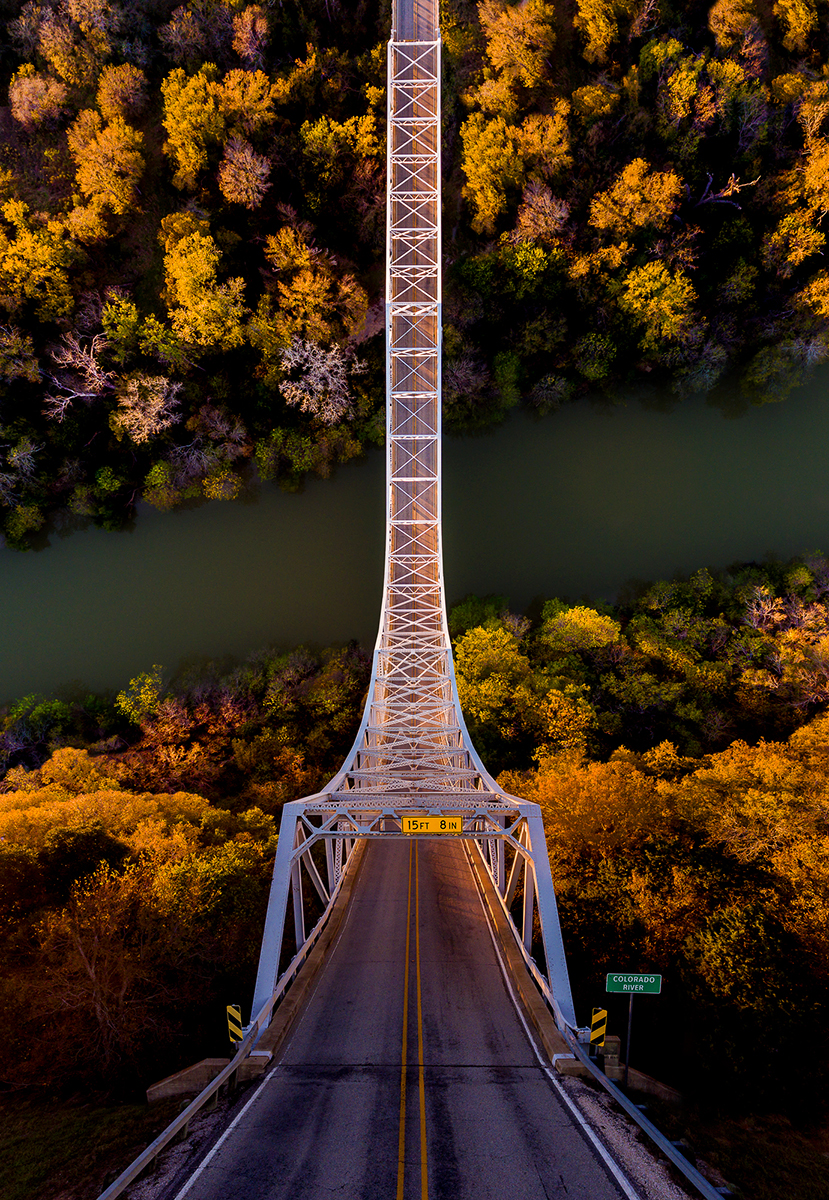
328 1121
412 751
415 20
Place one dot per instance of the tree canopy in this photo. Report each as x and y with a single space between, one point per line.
633 193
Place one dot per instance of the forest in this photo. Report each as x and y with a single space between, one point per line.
192 228
678 744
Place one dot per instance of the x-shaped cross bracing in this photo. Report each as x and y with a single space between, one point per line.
412 754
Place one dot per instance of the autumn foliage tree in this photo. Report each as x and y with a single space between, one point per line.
243 174
203 311
108 160
629 199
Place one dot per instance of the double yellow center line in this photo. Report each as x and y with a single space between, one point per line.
421 1084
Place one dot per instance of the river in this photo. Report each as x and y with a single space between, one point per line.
577 505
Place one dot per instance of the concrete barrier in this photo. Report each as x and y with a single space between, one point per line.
193 1079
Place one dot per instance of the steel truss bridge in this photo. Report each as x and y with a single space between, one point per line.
412 757
412 754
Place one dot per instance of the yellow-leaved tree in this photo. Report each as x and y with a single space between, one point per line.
204 312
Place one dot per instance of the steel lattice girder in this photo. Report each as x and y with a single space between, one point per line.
335 819
412 750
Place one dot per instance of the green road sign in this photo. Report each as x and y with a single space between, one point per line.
635 984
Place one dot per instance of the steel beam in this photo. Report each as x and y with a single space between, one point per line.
412 751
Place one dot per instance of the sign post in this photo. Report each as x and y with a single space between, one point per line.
632 984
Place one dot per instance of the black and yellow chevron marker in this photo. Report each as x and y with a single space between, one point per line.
598 1027
234 1022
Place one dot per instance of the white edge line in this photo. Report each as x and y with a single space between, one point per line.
612 1166
271 1075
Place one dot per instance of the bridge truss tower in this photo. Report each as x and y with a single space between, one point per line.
412 754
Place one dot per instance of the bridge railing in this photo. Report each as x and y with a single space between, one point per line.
530 870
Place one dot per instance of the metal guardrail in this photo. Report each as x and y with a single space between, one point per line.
252 1033
667 1147
703 1186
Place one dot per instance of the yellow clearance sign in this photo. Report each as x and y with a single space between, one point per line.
432 824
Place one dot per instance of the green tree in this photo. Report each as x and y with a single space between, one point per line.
17 356
774 371
330 148
501 699
594 355
23 519
565 630
143 696
129 334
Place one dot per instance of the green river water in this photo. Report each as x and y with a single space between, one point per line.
577 505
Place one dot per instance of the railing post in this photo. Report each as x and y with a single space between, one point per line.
338 853
529 905
557 972
299 914
330 864
277 905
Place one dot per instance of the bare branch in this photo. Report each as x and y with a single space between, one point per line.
722 197
320 382
147 405
79 374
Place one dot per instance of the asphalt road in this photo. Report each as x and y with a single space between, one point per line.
449 1104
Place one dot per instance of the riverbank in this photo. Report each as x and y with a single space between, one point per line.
576 505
